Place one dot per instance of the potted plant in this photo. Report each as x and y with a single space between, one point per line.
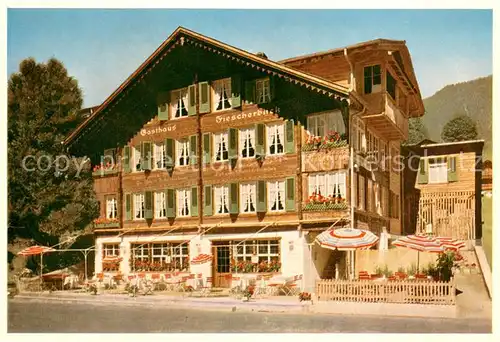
248 293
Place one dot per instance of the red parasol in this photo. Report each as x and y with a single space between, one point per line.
201 258
36 250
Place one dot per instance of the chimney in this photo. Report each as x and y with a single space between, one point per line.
261 55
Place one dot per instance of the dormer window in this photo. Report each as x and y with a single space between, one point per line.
222 94
373 79
179 103
263 90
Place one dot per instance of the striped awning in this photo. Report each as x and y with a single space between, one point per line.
431 244
345 239
36 250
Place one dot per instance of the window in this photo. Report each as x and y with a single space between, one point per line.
162 256
265 250
247 142
394 205
361 191
328 184
276 196
247 197
221 201
160 205
391 85
378 203
160 156
263 90
111 207
369 197
179 103
372 78
138 206
110 250
438 170
275 139
220 146
359 137
137 158
222 94
385 201
182 152
183 202
321 124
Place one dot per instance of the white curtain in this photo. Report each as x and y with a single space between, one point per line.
218 93
175 103
227 87
185 99
273 194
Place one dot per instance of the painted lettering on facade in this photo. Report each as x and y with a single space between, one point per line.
243 116
158 130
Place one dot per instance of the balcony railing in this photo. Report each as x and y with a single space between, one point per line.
396 116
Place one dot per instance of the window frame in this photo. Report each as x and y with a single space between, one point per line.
177 94
114 200
279 130
280 189
224 137
135 205
265 83
248 193
370 77
160 205
182 144
224 82
441 173
244 135
160 155
221 193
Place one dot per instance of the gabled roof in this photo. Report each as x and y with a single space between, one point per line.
183 36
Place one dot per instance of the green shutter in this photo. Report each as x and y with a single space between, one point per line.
233 143
289 136
126 159
290 194
148 206
260 132
128 207
170 195
423 176
138 163
194 201
163 100
236 91
192 100
193 149
146 155
250 92
169 152
206 148
261 197
204 100
233 198
452 169
207 194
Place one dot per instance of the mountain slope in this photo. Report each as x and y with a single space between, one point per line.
472 98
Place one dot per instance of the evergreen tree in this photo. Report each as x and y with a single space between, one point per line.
416 131
460 128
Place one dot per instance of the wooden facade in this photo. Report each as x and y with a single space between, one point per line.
168 174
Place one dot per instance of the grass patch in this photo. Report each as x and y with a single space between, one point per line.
487 228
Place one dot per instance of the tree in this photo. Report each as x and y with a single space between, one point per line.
416 131
48 198
460 128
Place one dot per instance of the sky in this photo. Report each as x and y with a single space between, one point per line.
101 48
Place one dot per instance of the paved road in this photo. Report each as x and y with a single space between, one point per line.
61 317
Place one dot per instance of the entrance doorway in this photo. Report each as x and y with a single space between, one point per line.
221 266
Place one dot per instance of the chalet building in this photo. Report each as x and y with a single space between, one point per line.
442 186
209 149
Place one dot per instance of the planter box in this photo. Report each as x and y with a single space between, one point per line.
324 206
102 173
107 225
327 146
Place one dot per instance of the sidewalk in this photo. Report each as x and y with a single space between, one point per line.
274 304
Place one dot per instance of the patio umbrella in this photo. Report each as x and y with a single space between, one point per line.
347 239
36 250
201 259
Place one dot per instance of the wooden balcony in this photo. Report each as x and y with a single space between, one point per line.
325 159
392 124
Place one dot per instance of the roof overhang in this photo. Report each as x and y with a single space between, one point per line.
182 36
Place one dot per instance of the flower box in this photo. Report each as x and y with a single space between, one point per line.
330 141
324 206
107 225
103 172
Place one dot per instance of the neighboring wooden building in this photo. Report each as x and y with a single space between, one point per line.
487 177
224 152
444 180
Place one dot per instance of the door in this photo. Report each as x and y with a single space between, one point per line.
222 266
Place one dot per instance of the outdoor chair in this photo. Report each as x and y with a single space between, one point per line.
291 288
207 287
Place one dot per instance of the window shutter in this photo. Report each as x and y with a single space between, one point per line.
233 143
148 206
206 148
207 194
290 194
423 176
128 207
261 197
170 195
260 131
272 88
126 159
163 100
169 152
289 137
194 201
138 163
250 92
146 150
452 169
204 100
236 91
193 148
192 100
233 198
